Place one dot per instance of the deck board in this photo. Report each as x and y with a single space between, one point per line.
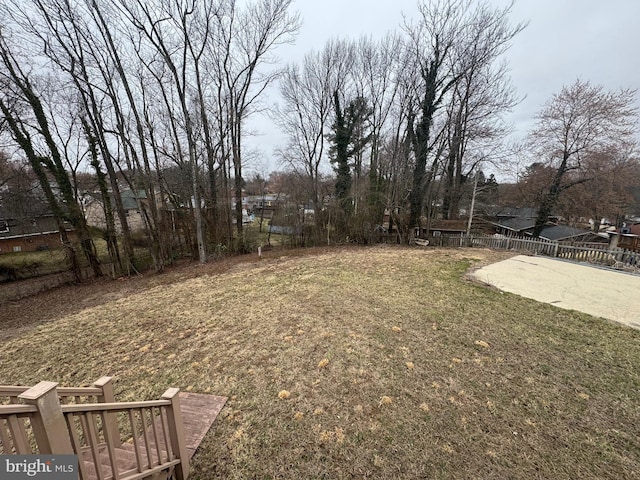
198 414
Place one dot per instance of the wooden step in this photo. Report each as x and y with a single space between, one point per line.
126 464
198 414
125 461
164 457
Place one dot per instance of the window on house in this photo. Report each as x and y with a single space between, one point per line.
17 248
4 226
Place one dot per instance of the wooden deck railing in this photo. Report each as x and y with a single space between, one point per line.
101 391
49 420
15 429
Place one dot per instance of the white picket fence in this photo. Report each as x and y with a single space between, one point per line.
595 253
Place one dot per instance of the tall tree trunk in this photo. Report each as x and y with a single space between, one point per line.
24 141
159 256
550 199
110 235
237 184
420 139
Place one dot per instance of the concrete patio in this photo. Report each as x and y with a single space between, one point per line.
586 288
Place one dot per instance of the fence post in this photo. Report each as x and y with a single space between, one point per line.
49 426
555 250
106 385
176 432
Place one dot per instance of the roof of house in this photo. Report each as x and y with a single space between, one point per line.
561 232
30 216
27 208
516 224
519 212
25 227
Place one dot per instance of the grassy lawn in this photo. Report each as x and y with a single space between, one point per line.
395 366
34 264
27 264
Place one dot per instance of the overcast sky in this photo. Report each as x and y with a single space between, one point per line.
594 40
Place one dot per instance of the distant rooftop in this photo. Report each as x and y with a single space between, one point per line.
517 212
516 224
561 232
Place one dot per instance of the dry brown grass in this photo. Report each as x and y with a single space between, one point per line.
393 366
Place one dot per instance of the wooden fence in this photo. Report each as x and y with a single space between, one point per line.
595 253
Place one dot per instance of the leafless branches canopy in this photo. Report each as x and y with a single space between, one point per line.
154 97
575 131
150 92
437 94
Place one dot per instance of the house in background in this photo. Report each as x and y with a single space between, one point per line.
515 226
521 222
132 202
627 238
511 221
263 204
30 231
566 233
457 227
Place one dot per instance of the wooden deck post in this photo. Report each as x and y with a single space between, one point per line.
176 432
49 426
106 385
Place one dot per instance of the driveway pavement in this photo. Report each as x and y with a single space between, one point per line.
596 291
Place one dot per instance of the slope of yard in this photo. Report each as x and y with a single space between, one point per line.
395 366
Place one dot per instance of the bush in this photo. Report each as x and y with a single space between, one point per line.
249 242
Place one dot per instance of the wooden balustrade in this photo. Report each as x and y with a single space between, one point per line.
176 430
48 424
46 419
101 389
148 425
15 429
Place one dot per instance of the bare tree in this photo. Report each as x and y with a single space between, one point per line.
88 65
305 115
30 126
167 28
73 36
454 40
580 121
432 44
607 195
478 100
245 42
395 158
377 65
